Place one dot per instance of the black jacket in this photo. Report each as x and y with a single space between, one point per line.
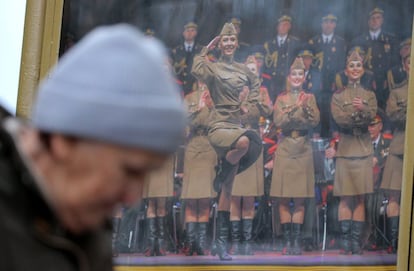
31 237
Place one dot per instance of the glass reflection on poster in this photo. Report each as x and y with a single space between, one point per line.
294 150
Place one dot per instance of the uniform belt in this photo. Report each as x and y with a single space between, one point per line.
354 131
227 107
295 133
200 131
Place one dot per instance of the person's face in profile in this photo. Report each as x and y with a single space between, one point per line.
307 61
95 179
228 44
296 78
354 70
406 64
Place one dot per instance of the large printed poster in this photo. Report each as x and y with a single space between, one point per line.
319 88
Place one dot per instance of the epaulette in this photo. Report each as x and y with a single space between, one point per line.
338 81
266 76
339 90
293 37
282 93
244 43
310 41
387 136
369 72
338 37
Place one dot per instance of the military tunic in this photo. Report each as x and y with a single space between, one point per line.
226 79
397 112
396 77
200 157
353 174
381 55
293 171
277 62
251 181
182 63
160 183
330 58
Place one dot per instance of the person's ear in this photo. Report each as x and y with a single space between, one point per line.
61 146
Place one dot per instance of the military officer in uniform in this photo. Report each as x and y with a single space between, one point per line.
381 53
279 54
237 147
392 177
183 55
397 76
380 142
330 54
353 108
295 113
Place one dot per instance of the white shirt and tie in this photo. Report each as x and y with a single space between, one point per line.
327 38
188 47
374 34
281 40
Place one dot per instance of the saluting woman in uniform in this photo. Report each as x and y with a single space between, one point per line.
353 109
250 183
295 112
392 177
236 147
199 171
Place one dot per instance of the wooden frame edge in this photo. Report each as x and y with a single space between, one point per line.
42 27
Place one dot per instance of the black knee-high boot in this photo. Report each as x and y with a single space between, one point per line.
116 224
223 219
345 226
190 229
296 238
392 227
247 236
356 233
287 238
161 249
151 249
201 242
236 237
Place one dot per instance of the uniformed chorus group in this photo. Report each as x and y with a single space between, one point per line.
349 110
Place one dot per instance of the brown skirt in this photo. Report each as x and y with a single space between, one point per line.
199 169
160 183
353 176
251 181
392 176
293 177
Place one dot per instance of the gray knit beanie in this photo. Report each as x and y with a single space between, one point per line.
113 86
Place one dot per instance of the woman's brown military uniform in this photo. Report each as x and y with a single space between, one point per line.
226 80
293 174
251 181
200 157
353 175
397 112
160 183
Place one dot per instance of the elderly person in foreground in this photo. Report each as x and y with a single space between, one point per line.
108 115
